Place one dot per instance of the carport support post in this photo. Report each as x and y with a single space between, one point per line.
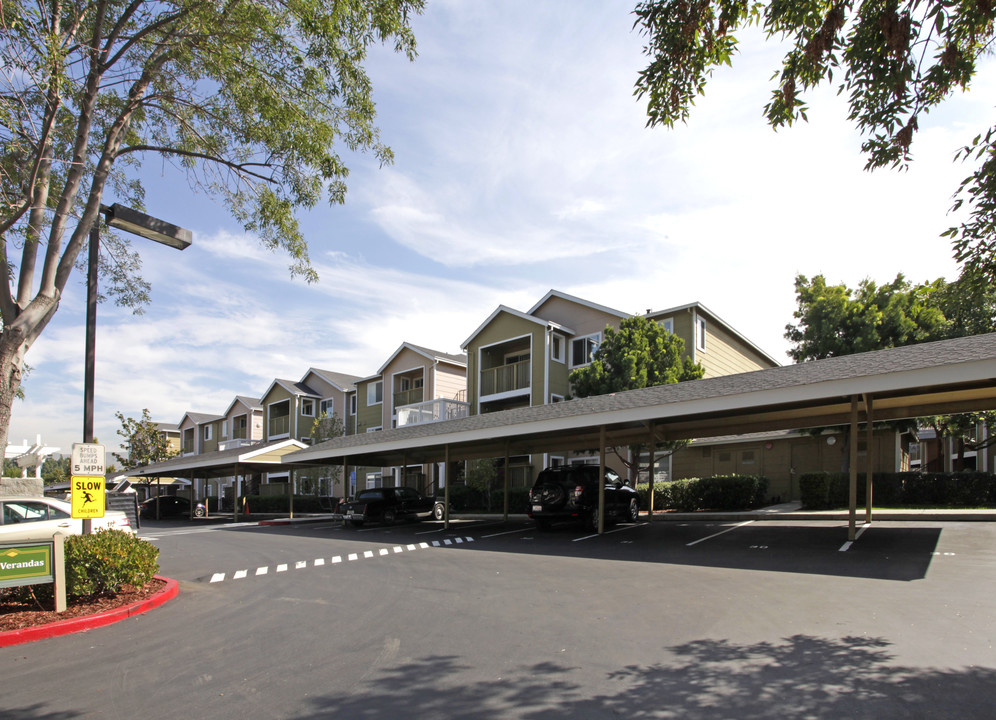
446 488
650 474
601 479
506 482
290 493
869 412
235 494
852 504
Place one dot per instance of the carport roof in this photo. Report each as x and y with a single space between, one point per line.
222 463
933 378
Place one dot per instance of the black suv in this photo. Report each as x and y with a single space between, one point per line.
570 492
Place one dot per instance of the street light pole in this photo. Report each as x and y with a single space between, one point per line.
137 223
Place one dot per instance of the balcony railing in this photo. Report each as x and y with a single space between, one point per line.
432 411
235 443
279 425
505 378
407 397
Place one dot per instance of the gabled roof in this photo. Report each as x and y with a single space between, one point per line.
433 355
297 389
198 418
342 381
699 306
250 402
521 315
167 427
577 301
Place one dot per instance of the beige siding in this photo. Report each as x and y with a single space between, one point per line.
450 382
782 460
725 354
583 320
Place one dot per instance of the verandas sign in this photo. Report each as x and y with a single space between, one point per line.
29 564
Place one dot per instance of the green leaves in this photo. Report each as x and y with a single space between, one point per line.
895 61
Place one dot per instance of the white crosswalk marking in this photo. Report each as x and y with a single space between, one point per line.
338 559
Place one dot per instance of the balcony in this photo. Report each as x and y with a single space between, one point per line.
408 397
235 443
506 378
280 425
432 411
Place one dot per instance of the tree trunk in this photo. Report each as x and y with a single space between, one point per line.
11 369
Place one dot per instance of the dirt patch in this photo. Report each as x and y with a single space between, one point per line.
20 615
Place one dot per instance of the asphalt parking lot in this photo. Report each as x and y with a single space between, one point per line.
490 619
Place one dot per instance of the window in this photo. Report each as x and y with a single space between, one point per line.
583 348
374 480
556 398
207 433
667 324
700 333
375 393
308 408
352 404
513 358
327 407
239 426
224 428
375 429
557 348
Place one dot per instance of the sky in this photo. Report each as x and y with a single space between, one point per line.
522 164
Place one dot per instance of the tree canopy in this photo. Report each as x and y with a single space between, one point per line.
143 441
641 353
894 61
253 99
833 320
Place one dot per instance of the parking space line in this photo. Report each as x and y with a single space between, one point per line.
509 532
847 546
608 532
721 532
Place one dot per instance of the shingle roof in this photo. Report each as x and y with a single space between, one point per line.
963 361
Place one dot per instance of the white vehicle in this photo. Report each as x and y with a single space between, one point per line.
39 518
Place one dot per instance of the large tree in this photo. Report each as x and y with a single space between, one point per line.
833 320
895 62
143 441
639 354
253 99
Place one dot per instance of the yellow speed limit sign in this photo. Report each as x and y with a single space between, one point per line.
87 497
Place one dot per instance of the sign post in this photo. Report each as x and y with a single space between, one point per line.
87 487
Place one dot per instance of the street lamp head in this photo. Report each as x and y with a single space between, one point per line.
124 218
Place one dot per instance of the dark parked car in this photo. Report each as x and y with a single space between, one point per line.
387 505
169 506
570 492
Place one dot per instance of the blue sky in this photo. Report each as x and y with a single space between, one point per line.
522 163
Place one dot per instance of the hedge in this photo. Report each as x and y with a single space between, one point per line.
720 492
830 491
279 504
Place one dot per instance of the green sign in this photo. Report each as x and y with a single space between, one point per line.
29 564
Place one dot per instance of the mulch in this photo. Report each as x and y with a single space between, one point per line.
19 615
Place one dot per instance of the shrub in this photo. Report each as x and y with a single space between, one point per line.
720 492
827 491
280 503
101 563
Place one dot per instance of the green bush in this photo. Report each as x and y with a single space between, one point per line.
720 492
101 563
830 491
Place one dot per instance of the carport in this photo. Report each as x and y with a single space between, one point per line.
945 377
234 462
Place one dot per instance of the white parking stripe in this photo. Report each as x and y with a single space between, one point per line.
721 532
337 559
847 546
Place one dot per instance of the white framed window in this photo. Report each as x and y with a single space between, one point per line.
224 429
327 407
516 357
375 393
375 429
352 404
374 480
583 348
208 432
558 348
308 407
667 324
700 333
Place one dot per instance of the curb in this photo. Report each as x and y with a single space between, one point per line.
89 622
